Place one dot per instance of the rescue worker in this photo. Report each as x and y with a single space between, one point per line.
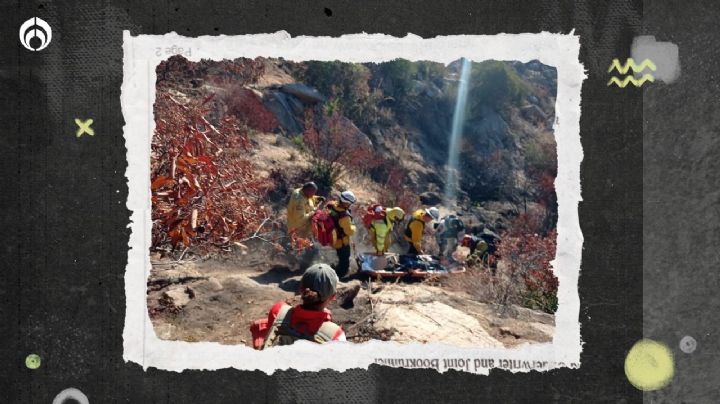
482 243
302 205
310 320
416 227
447 234
344 228
380 229
474 243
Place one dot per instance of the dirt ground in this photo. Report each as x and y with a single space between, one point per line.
217 299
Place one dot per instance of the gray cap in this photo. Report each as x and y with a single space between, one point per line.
322 279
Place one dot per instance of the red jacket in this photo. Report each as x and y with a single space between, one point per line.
304 321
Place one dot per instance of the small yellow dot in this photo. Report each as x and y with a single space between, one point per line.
649 365
32 361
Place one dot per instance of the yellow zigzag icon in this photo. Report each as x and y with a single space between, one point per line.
630 79
630 63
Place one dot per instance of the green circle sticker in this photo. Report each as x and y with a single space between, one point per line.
32 361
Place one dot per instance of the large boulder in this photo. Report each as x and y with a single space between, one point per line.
418 321
354 134
430 198
277 103
347 292
304 93
296 106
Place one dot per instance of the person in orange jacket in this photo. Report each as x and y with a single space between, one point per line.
416 227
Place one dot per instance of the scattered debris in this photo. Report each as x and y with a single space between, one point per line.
157 284
175 298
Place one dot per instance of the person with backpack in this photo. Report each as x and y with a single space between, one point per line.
416 227
474 243
483 243
339 211
447 234
310 321
380 228
491 239
301 206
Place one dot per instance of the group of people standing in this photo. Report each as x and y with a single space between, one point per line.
304 203
311 320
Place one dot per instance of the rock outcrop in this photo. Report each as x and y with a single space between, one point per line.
277 102
304 93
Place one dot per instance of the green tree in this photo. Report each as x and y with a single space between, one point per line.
345 82
494 84
432 71
399 74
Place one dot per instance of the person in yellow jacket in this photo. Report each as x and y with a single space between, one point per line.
416 227
344 229
380 229
302 205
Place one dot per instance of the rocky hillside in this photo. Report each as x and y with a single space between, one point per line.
399 114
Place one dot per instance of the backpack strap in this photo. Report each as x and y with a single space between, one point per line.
326 332
285 321
408 232
282 320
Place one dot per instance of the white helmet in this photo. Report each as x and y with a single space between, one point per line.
347 197
434 212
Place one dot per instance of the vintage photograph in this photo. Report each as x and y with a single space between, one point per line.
405 201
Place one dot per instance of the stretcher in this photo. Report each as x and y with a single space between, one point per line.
393 265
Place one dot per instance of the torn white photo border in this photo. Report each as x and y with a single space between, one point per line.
144 52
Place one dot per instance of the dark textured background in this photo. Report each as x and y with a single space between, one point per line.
681 201
65 221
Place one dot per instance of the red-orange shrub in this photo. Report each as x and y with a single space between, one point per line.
525 255
248 108
204 192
